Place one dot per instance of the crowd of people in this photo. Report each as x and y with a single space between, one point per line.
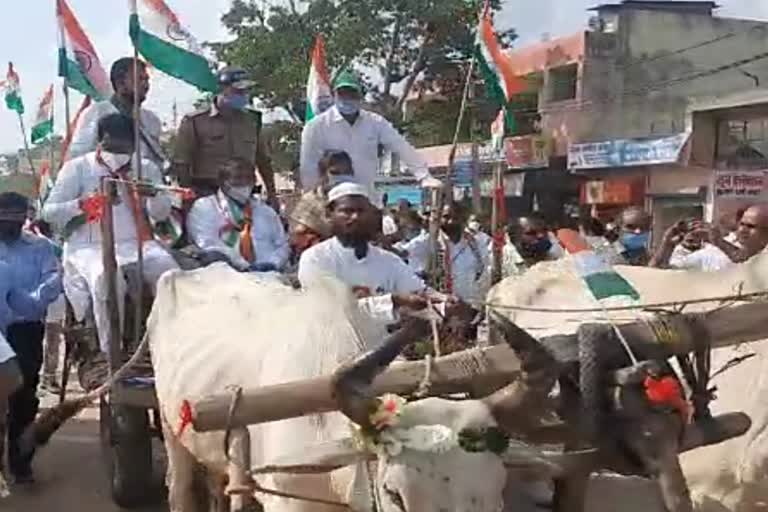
341 227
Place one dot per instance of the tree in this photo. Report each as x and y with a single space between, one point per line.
403 47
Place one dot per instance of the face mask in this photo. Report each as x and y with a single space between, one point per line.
240 194
235 101
115 161
537 249
635 241
348 107
474 226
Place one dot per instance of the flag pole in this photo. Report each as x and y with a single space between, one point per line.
26 144
138 316
67 129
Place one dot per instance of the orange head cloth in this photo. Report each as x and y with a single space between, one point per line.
246 240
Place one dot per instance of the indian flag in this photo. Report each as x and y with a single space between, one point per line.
501 83
45 183
12 88
79 64
43 125
167 45
319 96
601 278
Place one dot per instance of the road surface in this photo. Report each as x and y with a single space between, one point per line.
70 474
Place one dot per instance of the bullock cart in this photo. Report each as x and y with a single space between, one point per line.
128 418
606 416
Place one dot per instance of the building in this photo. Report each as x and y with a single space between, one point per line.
647 103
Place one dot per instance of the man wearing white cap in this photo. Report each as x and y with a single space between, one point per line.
379 278
347 127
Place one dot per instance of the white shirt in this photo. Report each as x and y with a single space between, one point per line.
208 217
378 275
331 132
85 137
418 251
707 259
81 177
468 265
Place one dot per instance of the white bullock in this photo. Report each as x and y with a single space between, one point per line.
732 476
215 328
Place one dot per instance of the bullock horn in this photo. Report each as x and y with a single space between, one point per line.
516 406
520 341
351 381
522 457
315 459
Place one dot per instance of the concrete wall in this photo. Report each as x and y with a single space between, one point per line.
641 80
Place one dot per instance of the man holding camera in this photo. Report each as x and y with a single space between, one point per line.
716 252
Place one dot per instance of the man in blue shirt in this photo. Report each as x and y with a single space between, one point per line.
34 282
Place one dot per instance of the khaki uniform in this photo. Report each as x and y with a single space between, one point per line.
208 138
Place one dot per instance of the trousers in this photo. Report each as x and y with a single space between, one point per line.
27 341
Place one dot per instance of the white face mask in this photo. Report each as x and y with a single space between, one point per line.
115 161
240 194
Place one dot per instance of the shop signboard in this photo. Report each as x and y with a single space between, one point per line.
527 152
627 152
733 190
739 184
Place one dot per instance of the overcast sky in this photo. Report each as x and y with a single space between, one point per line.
28 38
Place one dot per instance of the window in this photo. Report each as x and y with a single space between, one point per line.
743 143
563 82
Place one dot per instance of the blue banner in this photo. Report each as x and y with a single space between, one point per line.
627 152
411 193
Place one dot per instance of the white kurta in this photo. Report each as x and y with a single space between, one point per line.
331 132
85 138
208 219
418 251
373 278
84 279
707 259
468 265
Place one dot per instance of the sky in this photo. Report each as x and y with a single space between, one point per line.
29 39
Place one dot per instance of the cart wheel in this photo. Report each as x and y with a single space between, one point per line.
127 444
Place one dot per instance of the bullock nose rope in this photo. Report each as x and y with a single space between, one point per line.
426 383
237 395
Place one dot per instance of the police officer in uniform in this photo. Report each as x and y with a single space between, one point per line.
227 130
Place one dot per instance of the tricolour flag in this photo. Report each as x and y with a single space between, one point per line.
501 82
43 125
167 45
44 184
601 278
319 96
12 90
78 62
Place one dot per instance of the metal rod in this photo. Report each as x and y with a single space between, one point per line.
139 311
497 223
462 110
109 261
